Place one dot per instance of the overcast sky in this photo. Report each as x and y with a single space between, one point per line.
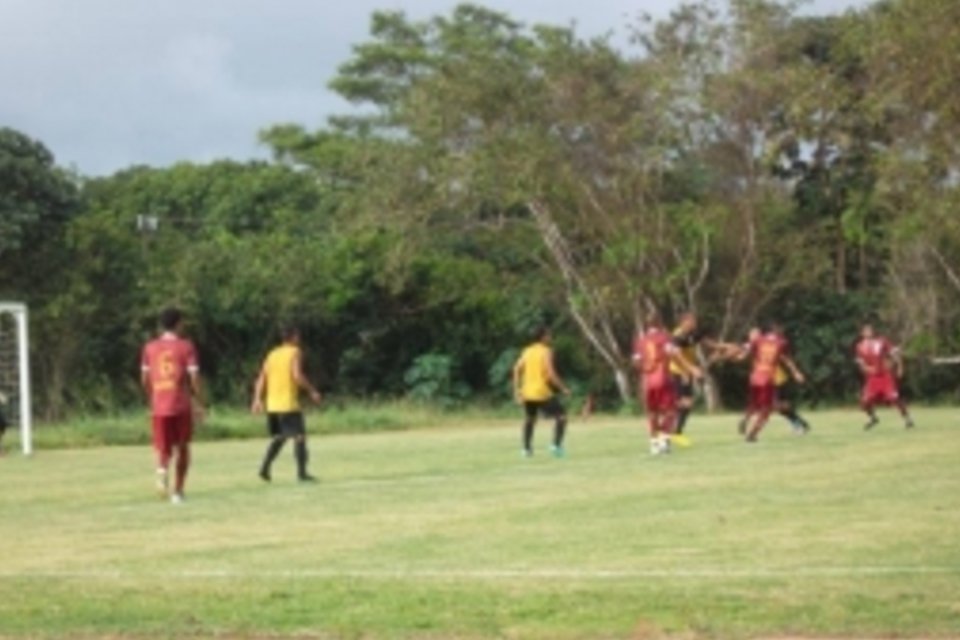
106 84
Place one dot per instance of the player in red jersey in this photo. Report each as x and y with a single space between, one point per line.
875 355
653 353
769 352
170 375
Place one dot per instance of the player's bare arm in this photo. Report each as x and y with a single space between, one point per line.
517 380
196 390
554 377
793 369
145 381
256 406
731 350
897 357
302 381
637 361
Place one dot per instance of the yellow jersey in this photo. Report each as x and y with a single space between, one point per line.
283 393
780 377
687 344
535 379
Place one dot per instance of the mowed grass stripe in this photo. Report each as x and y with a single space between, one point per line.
496 574
447 532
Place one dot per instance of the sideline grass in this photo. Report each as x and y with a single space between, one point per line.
338 416
448 533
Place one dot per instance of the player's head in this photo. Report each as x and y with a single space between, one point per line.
171 319
776 328
867 331
754 334
289 333
653 320
542 334
688 321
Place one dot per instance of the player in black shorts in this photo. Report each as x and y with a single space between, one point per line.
689 338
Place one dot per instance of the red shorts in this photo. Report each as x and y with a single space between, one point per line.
880 389
660 399
171 431
763 397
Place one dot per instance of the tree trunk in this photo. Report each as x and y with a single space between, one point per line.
587 309
841 273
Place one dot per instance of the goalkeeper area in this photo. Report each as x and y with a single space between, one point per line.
448 533
15 396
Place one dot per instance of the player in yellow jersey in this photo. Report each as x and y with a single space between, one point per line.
785 405
688 337
535 382
281 378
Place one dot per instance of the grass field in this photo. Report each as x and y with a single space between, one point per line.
448 533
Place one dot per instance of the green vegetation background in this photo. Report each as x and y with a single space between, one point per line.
752 163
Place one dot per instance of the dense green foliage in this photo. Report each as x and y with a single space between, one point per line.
739 160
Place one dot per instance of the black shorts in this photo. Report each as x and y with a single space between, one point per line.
784 394
552 408
683 386
3 422
286 424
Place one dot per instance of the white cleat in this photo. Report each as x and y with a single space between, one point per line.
177 498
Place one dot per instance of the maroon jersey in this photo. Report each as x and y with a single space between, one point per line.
653 350
874 355
168 360
767 351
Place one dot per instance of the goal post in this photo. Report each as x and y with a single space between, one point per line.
15 370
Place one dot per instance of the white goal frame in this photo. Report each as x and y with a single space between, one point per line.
19 312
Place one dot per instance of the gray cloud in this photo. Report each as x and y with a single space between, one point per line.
110 83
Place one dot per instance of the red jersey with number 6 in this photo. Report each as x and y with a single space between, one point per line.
653 350
767 351
168 361
874 354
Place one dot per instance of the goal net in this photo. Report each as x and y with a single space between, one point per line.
15 373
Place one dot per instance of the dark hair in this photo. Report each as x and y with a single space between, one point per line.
170 318
541 332
288 332
653 318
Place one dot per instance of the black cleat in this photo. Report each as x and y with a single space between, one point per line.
306 478
264 475
871 424
909 424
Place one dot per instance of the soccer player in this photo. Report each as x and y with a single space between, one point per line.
784 403
687 336
655 356
875 355
281 378
535 380
769 351
781 380
170 374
